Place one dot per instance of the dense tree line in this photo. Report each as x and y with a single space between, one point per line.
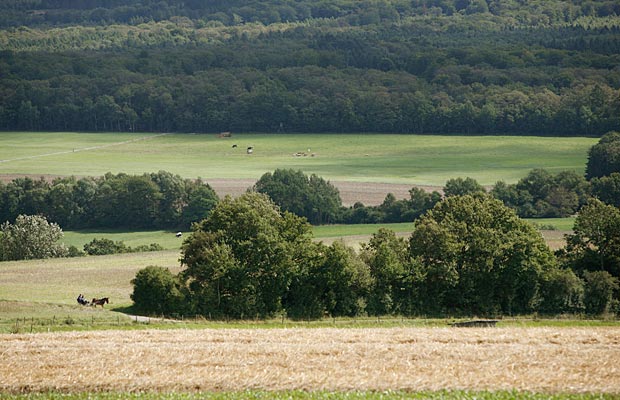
165 201
441 66
155 200
104 12
469 255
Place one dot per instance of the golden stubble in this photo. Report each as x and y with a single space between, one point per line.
533 359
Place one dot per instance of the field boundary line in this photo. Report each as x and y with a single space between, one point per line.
77 150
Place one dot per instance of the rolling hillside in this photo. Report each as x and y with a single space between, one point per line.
433 66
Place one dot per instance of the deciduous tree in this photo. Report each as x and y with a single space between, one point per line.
30 237
595 241
604 157
477 256
241 258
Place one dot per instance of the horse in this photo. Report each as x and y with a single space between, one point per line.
99 302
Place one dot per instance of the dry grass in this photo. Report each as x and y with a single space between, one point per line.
535 359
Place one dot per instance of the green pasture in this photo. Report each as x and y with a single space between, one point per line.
414 159
353 233
559 224
329 231
60 280
166 239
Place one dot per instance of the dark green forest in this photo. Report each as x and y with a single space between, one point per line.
417 66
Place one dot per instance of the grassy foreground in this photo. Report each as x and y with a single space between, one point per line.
415 159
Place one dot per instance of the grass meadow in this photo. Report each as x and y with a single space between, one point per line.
411 159
166 239
553 229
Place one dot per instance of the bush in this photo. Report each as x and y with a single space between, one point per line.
599 290
73 251
157 291
562 292
103 246
144 247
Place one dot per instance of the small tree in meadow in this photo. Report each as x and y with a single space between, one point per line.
30 237
157 291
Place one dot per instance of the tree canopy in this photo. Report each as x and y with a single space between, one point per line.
604 157
469 255
307 196
30 237
595 243
154 200
240 260
477 256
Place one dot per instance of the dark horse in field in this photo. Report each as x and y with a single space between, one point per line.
99 302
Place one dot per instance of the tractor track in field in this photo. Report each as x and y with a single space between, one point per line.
81 149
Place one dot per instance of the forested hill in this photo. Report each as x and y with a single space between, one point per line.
417 66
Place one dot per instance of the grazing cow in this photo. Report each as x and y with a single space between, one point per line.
250 150
179 234
234 146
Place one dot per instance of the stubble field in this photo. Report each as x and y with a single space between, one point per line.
548 360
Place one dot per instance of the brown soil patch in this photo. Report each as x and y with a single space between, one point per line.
525 359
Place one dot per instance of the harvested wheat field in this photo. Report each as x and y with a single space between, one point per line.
534 359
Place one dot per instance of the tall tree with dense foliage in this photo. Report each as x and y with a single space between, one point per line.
30 237
607 189
462 186
241 259
595 241
387 257
479 257
604 157
307 196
